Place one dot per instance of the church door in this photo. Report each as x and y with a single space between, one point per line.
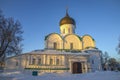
77 68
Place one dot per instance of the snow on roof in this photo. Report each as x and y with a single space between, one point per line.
63 52
57 52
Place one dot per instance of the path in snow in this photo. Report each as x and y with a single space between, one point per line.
6 78
104 75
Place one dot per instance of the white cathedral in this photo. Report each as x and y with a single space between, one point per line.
64 52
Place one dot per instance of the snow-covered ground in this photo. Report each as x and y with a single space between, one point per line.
104 75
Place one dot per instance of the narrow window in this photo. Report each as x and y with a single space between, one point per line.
39 61
63 31
92 61
71 45
57 62
16 63
55 45
51 61
68 30
33 61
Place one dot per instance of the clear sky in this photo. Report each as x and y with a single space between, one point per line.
98 18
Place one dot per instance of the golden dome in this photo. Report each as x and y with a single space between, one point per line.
67 20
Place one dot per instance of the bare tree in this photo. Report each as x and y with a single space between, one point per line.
105 58
118 47
113 64
10 37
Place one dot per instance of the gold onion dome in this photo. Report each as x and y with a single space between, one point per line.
67 20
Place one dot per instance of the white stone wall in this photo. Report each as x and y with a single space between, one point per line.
95 61
88 42
65 61
54 38
67 29
46 62
74 39
15 63
81 59
78 43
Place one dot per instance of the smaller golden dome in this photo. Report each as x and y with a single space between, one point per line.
67 20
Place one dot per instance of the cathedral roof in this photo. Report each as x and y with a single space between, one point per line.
57 52
67 20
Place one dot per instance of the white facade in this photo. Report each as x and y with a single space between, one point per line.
56 61
67 29
64 52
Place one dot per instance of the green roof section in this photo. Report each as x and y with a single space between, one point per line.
75 35
52 34
89 36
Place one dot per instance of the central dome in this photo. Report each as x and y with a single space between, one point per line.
67 20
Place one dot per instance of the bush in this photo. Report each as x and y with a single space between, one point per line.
118 69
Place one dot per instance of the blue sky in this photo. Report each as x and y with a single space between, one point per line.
98 18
